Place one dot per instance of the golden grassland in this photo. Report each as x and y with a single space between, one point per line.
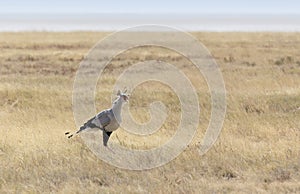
257 151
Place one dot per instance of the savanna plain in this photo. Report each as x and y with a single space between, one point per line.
258 149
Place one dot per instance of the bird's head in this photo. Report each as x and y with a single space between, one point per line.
123 96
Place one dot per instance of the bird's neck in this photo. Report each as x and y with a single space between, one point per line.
117 107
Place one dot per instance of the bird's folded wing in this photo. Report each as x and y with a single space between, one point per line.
104 118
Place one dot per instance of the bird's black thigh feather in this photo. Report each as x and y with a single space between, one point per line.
106 135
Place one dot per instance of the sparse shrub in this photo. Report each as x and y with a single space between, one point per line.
229 59
250 64
67 59
27 58
149 57
267 180
284 60
176 58
250 108
279 62
225 173
289 59
228 175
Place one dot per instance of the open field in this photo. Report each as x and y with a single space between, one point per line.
258 150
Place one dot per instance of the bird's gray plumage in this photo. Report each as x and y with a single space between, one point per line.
104 117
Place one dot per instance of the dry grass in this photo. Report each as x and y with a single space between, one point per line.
257 151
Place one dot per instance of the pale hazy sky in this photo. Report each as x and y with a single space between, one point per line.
152 6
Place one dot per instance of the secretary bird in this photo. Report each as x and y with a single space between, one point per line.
108 120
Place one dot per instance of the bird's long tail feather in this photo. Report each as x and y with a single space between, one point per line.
86 125
69 134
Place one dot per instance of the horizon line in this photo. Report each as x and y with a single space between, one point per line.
139 13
